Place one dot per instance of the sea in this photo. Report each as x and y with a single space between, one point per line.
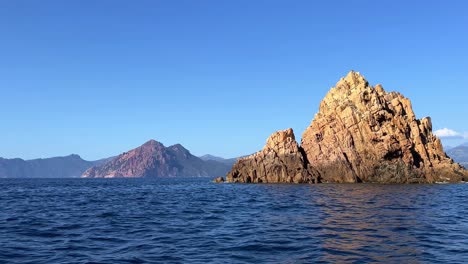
192 220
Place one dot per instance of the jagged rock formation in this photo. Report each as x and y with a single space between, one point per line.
360 134
280 160
153 159
363 133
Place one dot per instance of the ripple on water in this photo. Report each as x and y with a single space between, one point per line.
195 221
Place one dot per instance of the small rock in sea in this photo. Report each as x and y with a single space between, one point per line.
218 180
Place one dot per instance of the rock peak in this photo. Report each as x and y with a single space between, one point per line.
352 80
281 137
178 145
75 156
281 160
152 159
151 142
360 134
354 74
179 148
363 133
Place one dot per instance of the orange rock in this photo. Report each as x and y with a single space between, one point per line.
360 134
281 160
363 133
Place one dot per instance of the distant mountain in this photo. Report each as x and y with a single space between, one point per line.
219 159
459 154
57 167
447 148
211 157
153 159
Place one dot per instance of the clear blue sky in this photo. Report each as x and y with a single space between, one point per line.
97 78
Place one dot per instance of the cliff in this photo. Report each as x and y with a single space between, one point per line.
360 134
281 160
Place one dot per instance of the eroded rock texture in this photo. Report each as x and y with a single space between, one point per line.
362 133
281 160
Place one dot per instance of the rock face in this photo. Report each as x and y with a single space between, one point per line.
153 159
360 134
281 160
363 133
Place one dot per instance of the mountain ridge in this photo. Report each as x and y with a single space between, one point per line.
153 159
73 166
229 161
55 167
459 154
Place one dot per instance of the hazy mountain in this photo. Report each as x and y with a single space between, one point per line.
208 157
153 159
447 148
459 154
56 167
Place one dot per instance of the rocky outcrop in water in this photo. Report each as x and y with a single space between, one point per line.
218 180
360 134
153 159
281 160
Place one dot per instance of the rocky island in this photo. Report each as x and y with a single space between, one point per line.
360 134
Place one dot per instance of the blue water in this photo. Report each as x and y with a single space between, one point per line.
196 221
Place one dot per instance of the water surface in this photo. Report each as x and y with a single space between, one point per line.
192 220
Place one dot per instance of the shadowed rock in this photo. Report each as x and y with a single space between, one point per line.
280 160
360 134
